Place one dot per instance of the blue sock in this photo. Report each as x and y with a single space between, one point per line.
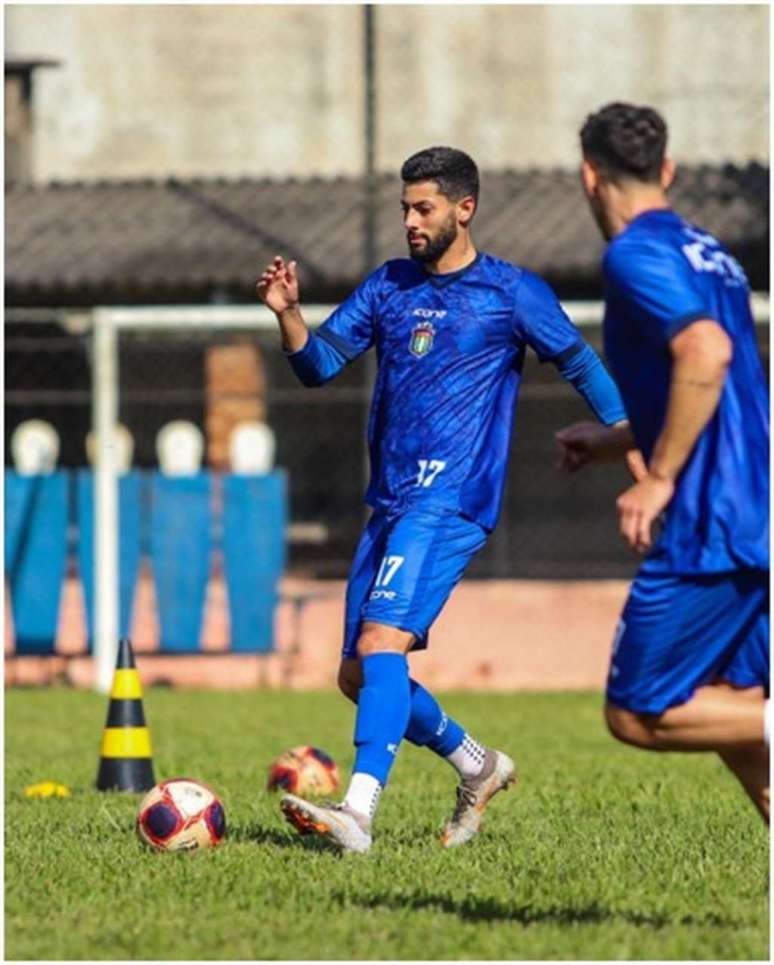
429 726
383 709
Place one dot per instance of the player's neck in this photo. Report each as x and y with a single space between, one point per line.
460 253
631 204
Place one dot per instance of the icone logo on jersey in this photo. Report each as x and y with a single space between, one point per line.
429 312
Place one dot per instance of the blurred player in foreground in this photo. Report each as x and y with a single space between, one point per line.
450 326
690 663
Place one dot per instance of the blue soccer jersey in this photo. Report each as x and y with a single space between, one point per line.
450 352
661 274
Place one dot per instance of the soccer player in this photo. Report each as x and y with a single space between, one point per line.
450 327
690 663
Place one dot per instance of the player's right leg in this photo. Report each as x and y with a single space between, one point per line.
383 709
750 765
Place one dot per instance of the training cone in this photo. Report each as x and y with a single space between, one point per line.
125 755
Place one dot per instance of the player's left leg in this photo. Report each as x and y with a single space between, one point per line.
428 726
483 771
690 671
712 720
680 637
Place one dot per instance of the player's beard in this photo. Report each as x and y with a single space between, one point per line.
437 246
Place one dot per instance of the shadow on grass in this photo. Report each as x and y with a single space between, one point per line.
488 909
257 834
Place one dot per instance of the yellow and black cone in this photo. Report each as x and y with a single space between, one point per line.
125 755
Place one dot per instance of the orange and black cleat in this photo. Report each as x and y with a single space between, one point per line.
337 823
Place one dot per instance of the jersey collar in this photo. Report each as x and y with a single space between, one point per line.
651 213
440 281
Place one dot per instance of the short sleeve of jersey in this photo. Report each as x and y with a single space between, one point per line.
658 282
542 322
350 329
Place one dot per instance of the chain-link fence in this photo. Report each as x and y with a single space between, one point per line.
553 526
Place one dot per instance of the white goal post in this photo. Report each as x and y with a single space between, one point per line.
107 324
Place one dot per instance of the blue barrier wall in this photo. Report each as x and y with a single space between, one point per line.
254 520
180 556
177 523
36 516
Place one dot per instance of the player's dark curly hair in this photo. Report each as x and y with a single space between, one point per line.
625 140
454 171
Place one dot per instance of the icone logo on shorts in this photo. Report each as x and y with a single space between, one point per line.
383 595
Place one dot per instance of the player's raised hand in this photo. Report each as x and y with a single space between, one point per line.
639 507
278 285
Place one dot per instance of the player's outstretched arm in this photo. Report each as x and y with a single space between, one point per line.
278 290
701 355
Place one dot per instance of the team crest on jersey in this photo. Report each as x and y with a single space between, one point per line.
422 336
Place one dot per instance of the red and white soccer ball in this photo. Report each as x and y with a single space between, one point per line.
304 770
181 815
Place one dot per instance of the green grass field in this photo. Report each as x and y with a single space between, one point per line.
602 852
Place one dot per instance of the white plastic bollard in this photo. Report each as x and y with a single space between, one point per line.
251 449
180 447
34 448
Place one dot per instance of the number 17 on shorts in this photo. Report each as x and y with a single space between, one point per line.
387 570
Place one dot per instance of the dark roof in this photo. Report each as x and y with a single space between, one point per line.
194 240
21 65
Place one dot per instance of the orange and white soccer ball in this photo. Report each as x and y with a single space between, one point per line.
181 815
304 770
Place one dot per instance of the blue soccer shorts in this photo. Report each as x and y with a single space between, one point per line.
404 570
681 632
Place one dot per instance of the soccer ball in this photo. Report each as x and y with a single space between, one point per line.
181 815
304 770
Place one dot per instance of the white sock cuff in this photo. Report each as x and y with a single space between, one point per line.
468 758
363 793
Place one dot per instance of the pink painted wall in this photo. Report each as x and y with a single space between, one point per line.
492 635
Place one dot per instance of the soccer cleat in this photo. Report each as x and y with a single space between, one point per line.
474 794
338 823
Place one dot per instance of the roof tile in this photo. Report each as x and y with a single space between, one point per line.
143 240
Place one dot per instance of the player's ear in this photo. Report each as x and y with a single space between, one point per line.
667 172
589 178
466 208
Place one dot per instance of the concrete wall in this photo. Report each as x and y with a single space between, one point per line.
277 90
